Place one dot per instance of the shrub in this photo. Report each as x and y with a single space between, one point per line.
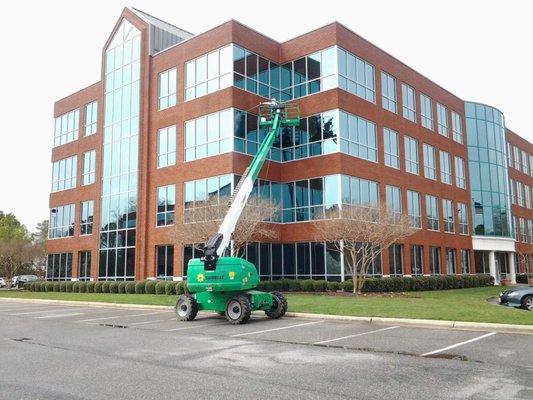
130 287
140 287
56 286
160 287
277 285
122 287
334 286
347 286
295 285
113 287
75 287
98 287
320 286
69 287
37 286
49 287
149 287
105 286
82 287
180 287
90 287
62 286
307 285
284 285
170 288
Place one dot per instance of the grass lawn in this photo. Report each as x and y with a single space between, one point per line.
454 305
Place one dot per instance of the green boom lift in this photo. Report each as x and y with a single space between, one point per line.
226 284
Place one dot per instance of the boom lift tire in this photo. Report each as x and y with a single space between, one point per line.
238 310
279 306
186 307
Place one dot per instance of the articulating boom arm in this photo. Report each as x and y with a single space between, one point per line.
274 115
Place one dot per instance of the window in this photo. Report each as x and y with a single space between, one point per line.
450 261
413 208
520 193
527 196
167 89
91 115
388 92
197 192
426 112
512 190
212 72
432 212
61 223
359 139
64 174
531 165
523 232
525 163
465 261
515 228
442 120
84 265
166 146
356 75
395 259
530 230
86 218
394 199
165 261
463 218
445 168
392 152
460 177
359 191
434 260
212 134
429 162
516 157
417 255
408 103
411 155
59 267
509 155
89 165
457 127
66 128
166 199
447 215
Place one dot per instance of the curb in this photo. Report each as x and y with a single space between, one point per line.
88 303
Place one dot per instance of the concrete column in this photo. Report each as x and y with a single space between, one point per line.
512 268
492 268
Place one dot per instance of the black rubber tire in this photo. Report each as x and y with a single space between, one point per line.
186 307
527 303
279 306
238 310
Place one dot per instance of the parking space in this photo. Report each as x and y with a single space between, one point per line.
485 347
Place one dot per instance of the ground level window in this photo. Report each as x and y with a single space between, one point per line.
434 260
465 261
84 265
417 255
59 267
165 262
450 261
395 259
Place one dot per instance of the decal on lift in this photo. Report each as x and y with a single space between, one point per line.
231 275
200 277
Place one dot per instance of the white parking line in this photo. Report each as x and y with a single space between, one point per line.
190 327
49 310
118 316
458 344
58 315
356 335
276 329
152 321
20 309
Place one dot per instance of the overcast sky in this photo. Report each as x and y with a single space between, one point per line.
478 50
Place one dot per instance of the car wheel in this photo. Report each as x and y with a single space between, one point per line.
527 303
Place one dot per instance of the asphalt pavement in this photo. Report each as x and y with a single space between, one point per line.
57 351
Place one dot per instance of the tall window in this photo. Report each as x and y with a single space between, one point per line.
509 155
167 89
86 217
66 127
426 111
64 174
447 215
392 152
166 200
166 146
460 176
413 208
520 193
525 163
212 72
457 127
429 162
408 103
411 155
394 199
432 212
84 265
512 190
356 75
527 196
89 165
396 259
359 139
434 260
516 158
523 232
388 92
442 120
417 256
212 134
61 223
445 168
530 230
165 261
463 218
465 261
450 261
91 115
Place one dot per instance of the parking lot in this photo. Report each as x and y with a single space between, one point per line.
301 358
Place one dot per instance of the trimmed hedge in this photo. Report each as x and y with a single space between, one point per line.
371 285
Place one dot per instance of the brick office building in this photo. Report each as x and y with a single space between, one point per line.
172 122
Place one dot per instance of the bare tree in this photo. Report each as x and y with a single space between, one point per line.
39 242
198 224
360 234
523 260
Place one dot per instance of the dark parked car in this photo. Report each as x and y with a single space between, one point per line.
518 297
22 279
